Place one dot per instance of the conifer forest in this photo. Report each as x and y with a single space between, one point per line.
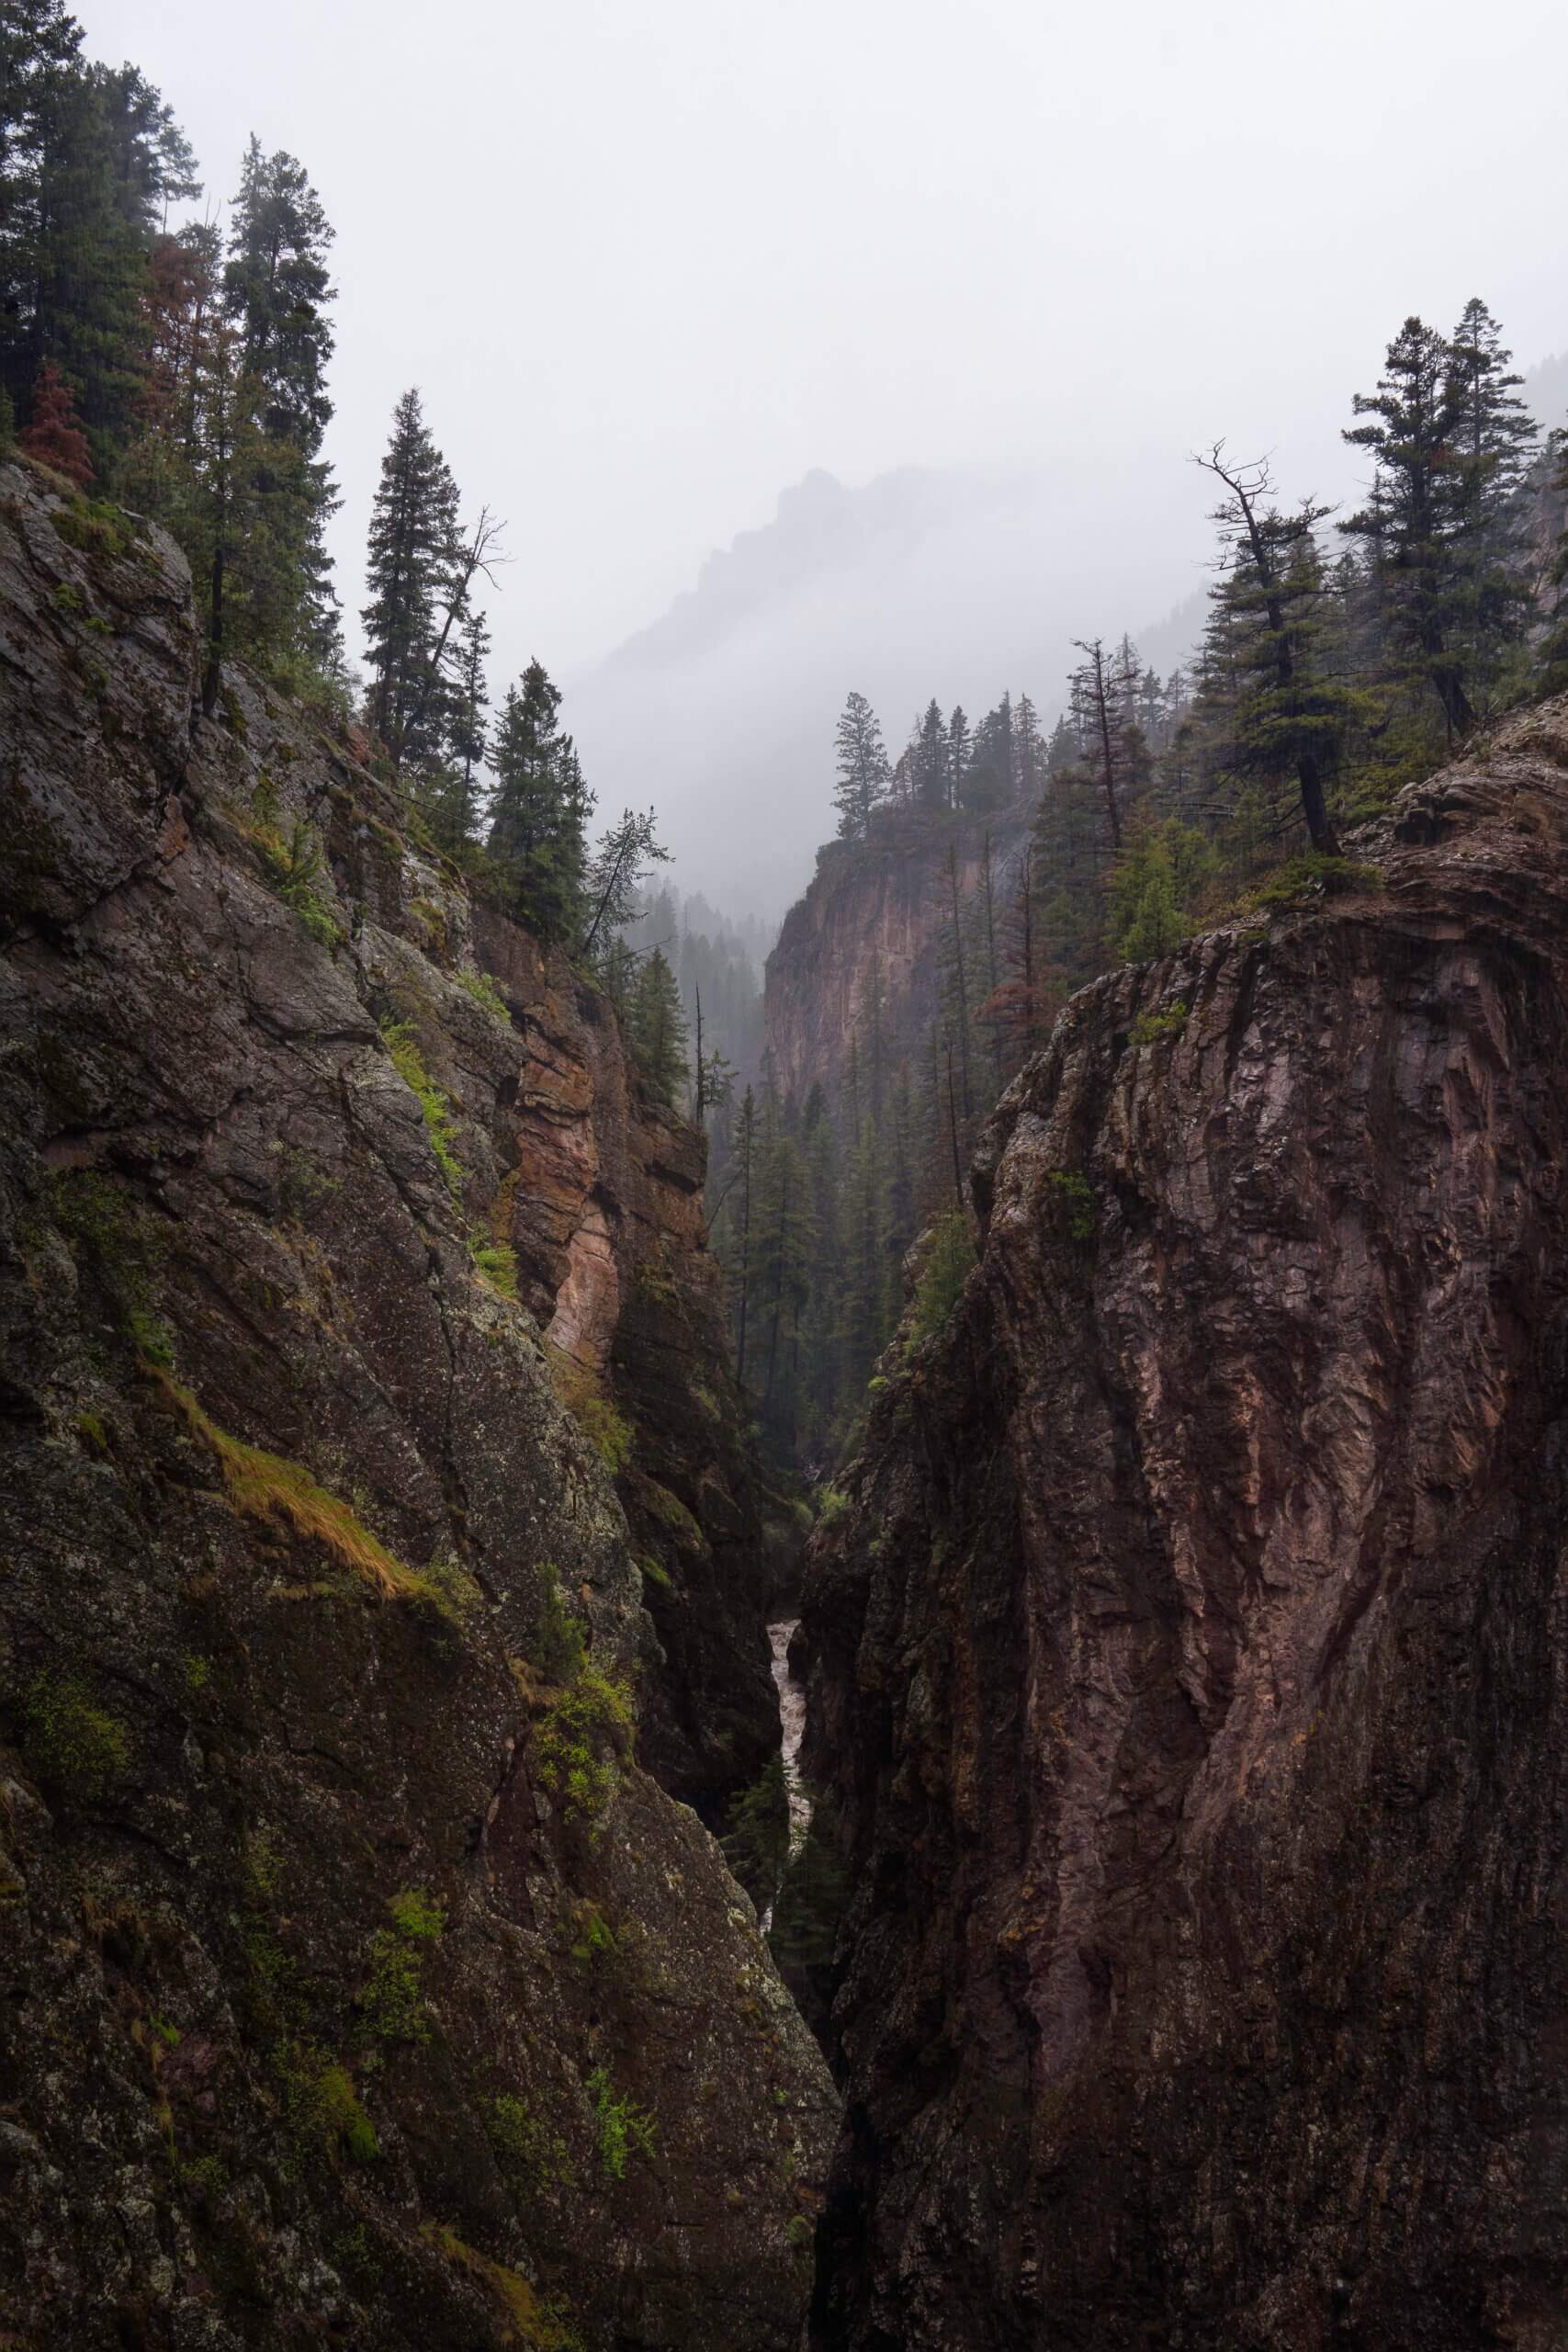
754 1604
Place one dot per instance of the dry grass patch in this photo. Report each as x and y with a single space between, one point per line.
266 1487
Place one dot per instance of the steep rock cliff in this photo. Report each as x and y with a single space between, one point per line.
1190 1666
356 1979
872 918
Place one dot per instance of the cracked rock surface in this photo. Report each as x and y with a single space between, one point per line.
356 1980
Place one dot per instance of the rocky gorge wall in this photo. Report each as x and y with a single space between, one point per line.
873 918
358 1978
1189 1664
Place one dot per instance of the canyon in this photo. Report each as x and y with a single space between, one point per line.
394 1602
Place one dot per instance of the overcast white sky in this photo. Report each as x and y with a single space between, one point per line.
651 261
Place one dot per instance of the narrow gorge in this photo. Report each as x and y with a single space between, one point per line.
1031 1814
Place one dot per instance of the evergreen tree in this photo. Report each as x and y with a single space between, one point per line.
1029 750
933 786
863 777
539 812
1496 438
1289 716
957 755
457 815
658 1030
413 546
740 1199
1551 660
988 778
1410 525
275 291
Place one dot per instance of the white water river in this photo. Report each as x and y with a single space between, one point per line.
792 1730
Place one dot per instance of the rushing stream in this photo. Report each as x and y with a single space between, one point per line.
792 1730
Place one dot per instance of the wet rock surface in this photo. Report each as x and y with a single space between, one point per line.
1190 1668
872 921
356 1980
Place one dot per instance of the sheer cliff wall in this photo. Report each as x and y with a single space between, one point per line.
1190 1665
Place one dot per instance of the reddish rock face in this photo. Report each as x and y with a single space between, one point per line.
1191 1668
873 918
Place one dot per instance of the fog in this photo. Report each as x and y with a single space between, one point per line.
996 270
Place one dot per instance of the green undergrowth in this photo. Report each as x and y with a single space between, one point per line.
1074 1203
1310 871
558 1637
530 2319
949 1256
73 1747
580 1749
391 1999
483 990
435 1106
321 2103
525 2147
496 1261
607 1429
104 1228
619 2127
1152 1028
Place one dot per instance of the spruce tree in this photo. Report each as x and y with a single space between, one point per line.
539 811
1289 716
1409 527
457 814
658 1030
413 545
276 288
957 756
863 777
1496 438
931 785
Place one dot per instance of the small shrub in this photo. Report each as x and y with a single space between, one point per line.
557 1640
1074 1202
199 1672
73 1747
578 1751
1149 1028
950 1254
293 869
593 1940
320 2102
457 1595
391 1999
831 1504
618 2126
100 1222
608 1432
483 990
1311 870
94 527
434 1107
416 1917
497 1263
653 1571
525 2146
